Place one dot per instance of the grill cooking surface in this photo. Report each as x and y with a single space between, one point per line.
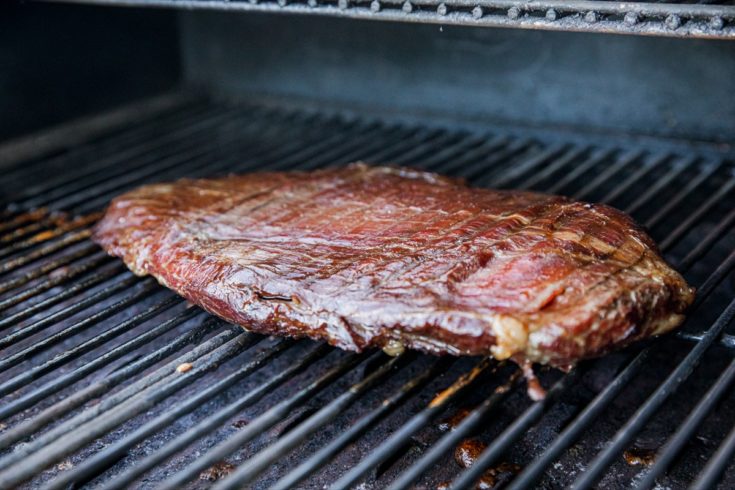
109 379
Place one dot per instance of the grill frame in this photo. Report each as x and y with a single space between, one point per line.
352 136
690 19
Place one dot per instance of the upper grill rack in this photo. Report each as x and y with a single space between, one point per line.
684 18
108 378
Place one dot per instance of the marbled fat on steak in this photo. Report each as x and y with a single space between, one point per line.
374 256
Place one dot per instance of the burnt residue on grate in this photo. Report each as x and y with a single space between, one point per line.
108 379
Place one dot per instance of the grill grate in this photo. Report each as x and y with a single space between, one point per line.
109 379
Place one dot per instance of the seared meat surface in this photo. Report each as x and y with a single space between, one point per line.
374 256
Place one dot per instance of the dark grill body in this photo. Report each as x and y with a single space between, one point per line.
111 381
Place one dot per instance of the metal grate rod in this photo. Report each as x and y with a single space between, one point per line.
80 287
662 182
570 155
97 149
45 268
102 459
322 457
653 403
696 216
33 373
73 271
210 423
716 465
445 444
532 472
413 425
28 399
186 135
66 241
48 454
501 179
264 421
59 409
254 466
687 430
489 146
578 170
17 243
122 281
516 430
706 172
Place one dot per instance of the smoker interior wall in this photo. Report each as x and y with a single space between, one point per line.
64 61
634 84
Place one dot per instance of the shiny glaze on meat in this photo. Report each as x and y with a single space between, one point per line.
365 256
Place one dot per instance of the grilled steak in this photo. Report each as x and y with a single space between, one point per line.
374 256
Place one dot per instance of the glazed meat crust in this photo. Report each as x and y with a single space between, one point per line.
375 256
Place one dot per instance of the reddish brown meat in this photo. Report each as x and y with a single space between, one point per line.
373 256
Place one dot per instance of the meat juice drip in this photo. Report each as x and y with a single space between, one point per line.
639 457
217 471
536 392
467 453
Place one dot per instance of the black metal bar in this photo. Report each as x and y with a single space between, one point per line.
654 402
18 220
433 139
52 230
568 156
192 154
54 280
248 471
697 215
56 450
489 146
704 246
261 423
467 426
28 375
634 177
532 472
63 407
413 425
103 458
187 136
716 465
123 282
528 164
100 152
676 169
482 171
205 426
82 286
521 424
684 433
322 457
464 144
43 251
202 163
703 176
74 329
588 164
613 169
46 267
28 399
